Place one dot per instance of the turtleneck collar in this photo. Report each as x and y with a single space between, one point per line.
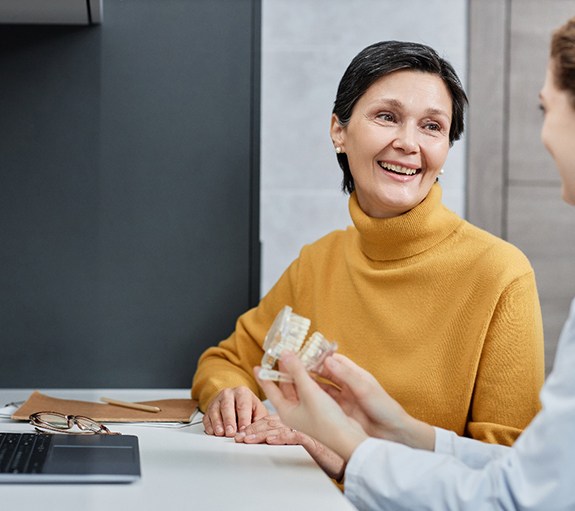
386 239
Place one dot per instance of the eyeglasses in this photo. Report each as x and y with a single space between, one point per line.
54 421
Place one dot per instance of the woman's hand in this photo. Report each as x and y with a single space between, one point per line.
231 411
272 431
362 397
304 406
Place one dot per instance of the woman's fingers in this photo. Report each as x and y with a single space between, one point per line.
269 429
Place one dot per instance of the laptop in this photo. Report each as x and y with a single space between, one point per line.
62 458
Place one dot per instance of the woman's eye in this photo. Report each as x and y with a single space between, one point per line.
386 116
433 126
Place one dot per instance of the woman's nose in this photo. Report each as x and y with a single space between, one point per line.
406 139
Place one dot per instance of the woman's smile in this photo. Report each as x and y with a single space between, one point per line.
398 168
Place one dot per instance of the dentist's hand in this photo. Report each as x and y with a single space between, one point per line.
362 397
304 406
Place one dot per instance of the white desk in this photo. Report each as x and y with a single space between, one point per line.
184 469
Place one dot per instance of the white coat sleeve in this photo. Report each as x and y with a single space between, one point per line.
471 452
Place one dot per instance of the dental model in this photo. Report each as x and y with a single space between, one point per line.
315 351
288 332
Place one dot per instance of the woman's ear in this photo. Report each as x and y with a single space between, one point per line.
337 133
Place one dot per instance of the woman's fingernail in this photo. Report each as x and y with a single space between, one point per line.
250 437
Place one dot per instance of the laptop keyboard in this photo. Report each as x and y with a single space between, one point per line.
23 452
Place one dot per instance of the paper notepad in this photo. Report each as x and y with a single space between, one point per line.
172 410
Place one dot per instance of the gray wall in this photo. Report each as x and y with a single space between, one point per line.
306 46
128 198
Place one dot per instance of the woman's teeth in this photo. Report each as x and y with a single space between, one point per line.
397 168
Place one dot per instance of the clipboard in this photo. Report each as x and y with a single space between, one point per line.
172 410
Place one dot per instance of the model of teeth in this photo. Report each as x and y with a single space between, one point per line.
398 168
288 332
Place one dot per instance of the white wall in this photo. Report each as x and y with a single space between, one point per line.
306 46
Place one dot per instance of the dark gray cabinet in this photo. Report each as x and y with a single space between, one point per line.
129 192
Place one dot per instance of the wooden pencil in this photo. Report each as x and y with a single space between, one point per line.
133 406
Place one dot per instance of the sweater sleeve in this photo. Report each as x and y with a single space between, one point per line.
511 368
230 363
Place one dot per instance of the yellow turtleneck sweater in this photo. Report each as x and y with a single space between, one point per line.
443 314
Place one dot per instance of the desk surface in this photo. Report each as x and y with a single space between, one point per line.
183 468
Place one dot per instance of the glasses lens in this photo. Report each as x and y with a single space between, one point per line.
87 424
55 420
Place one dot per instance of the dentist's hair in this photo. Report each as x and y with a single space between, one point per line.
563 58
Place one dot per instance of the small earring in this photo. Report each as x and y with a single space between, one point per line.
338 149
441 172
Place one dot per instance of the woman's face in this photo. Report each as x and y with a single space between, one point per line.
396 141
558 132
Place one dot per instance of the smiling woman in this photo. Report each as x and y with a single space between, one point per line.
395 142
444 315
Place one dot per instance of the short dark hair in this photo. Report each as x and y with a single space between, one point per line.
383 58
